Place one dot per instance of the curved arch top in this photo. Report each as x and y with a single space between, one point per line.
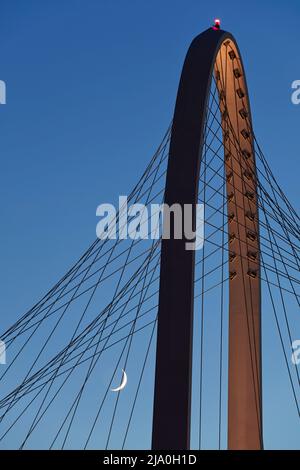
209 54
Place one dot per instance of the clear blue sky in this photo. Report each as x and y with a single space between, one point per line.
91 87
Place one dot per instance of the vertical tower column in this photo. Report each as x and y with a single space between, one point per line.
244 378
213 51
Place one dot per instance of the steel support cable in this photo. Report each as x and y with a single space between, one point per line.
222 299
203 161
205 184
222 314
202 310
139 383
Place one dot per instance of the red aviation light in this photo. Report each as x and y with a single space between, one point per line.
217 24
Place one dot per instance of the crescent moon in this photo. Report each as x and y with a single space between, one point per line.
123 383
